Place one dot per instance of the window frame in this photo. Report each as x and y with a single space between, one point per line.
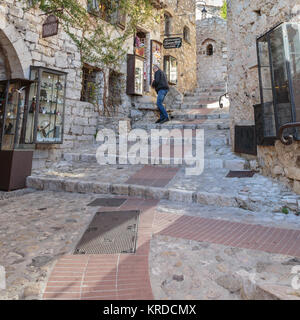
290 91
168 72
187 34
84 95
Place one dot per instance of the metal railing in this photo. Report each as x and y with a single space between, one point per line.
287 140
221 105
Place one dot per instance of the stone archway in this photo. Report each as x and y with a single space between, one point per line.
14 52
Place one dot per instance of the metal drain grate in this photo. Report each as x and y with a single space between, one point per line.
107 202
110 232
240 174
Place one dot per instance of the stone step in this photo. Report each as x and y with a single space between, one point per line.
172 193
217 124
230 164
180 115
201 99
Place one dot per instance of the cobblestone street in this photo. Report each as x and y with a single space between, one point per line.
237 239
149 150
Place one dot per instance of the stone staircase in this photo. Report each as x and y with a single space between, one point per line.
204 96
79 171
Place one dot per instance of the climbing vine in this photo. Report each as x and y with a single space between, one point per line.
224 10
94 26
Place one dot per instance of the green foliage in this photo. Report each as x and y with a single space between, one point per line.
285 210
96 31
224 10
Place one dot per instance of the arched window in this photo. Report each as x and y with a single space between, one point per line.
168 24
209 50
186 34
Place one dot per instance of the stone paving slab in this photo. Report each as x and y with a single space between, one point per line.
42 228
191 270
35 230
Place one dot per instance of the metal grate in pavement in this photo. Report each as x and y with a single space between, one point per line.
110 232
240 174
107 202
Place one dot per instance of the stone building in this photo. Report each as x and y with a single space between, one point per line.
211 45
247 21
22 46
179 21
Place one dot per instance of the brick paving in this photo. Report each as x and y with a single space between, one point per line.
233 234
126 276
153 176
107 277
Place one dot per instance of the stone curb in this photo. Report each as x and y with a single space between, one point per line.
14 194
186 196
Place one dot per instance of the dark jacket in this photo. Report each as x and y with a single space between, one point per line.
160 81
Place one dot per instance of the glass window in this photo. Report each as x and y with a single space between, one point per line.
294 59
139 76
279 70
209 50
88 90
51 108
186 34
168 20
266 86
13 113
170 68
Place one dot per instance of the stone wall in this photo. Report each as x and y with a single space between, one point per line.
23 45
211 69
183 14
246 21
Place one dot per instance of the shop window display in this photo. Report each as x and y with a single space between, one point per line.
47 101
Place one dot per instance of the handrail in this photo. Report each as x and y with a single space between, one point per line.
289 140
220 99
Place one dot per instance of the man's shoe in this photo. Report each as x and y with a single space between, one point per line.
158 121
164 120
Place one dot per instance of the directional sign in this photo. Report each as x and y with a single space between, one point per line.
172 43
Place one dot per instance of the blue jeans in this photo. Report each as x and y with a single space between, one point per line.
160 99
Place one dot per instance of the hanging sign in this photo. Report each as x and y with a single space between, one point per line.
50 26
172 43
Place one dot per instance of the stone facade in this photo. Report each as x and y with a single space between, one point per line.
212 68
22 45
182 15
211 45
246 21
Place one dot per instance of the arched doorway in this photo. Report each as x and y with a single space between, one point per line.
4 66
15 57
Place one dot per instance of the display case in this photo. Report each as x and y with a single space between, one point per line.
278 54
14 96
45 121
135 75
170 68
15 154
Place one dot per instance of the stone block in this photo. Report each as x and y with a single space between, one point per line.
120 189
70 185
100 187
137 191
181 195
85 187
156 193
35 183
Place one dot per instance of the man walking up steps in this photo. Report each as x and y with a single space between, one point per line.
160 84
